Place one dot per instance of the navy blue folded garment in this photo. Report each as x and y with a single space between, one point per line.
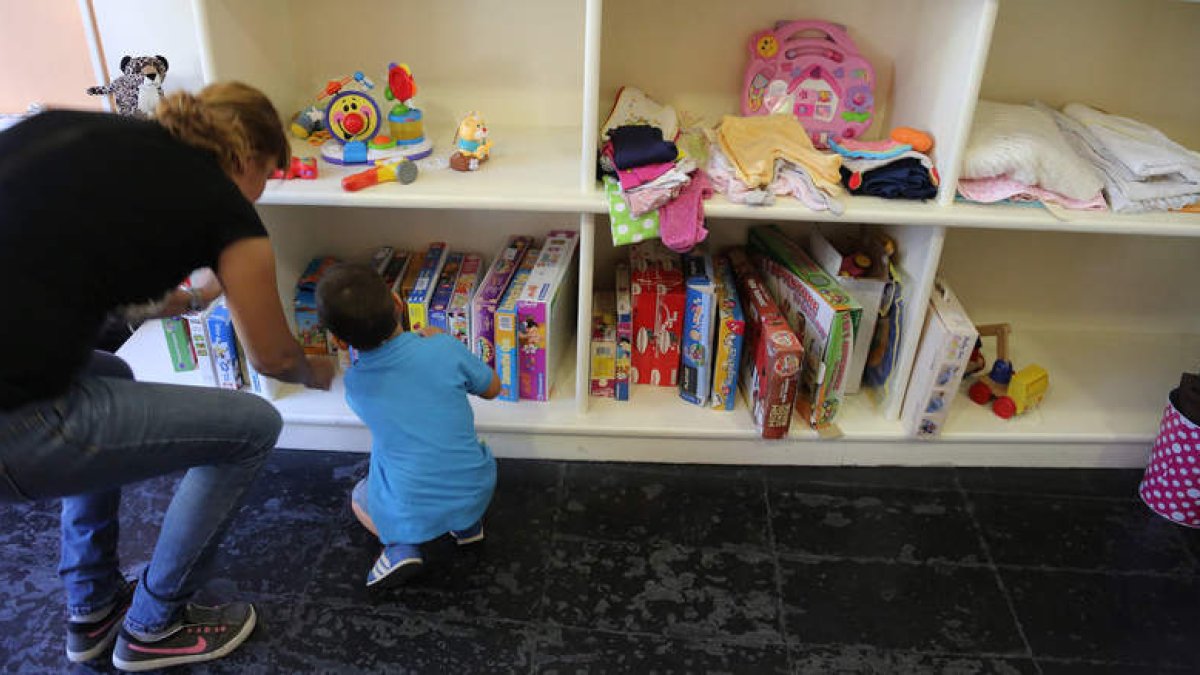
905 178
639 145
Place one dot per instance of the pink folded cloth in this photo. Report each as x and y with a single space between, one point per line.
681 222
640 175
999 188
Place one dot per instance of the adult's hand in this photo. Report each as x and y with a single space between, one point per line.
321 370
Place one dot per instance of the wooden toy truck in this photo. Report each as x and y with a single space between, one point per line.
1009 393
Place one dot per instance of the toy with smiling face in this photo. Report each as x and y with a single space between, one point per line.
357 126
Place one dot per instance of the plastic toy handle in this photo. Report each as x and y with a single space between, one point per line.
833 31
360 180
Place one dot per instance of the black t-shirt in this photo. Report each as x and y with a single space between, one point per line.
97 211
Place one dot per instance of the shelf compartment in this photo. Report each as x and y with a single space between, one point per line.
529 170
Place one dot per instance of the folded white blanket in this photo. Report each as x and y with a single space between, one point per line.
1141 148
1024 144
1134 148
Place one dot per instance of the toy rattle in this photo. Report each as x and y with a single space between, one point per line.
399 170
471 144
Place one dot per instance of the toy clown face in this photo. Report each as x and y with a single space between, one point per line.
352 116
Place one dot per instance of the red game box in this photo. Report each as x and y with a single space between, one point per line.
658 297
771 366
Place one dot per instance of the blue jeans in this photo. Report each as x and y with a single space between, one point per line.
107 431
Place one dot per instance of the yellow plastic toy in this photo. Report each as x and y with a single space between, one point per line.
1009 393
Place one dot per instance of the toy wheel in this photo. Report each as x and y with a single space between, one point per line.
980 393
1004 407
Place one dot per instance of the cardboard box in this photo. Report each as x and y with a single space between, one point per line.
730 329
198 332
545 315
947 340
488 297
224 347
396 270
439 302
831 317
507 362
624 333
604 344
310 333
458 314
658 297
770 370
696 355
424 284
381 258
868 290
179 343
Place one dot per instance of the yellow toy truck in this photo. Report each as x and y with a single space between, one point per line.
1010 394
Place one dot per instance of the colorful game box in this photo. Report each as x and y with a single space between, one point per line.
198 332
381 258
946 344
224 347
393 274
731 326
424 284
507 363
831 317
487 298
773 354
624 333
308 326
545 315
439 303
458 314
696 357
658 297
604 344
179 343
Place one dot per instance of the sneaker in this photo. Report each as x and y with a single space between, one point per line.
206 633
470 535
395 565
88 640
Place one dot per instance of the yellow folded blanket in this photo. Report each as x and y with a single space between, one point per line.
754 143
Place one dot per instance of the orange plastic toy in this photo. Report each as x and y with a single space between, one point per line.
919 140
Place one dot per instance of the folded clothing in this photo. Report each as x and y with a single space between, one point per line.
752 145
1024 144
640 175
856 149
902 179
681 221
633 107
640 145
990 190
627 228
1129 191
790 179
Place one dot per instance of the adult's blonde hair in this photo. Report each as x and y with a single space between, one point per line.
233 121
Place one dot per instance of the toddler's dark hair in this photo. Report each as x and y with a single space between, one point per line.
355 303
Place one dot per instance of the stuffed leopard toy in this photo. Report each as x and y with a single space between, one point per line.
139 89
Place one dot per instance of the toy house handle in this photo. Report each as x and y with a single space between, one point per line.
794 30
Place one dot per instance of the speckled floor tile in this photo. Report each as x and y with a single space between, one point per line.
692 508
929 608
566 651
873 522
665 589
858 660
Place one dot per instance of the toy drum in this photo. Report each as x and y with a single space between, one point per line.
1171 485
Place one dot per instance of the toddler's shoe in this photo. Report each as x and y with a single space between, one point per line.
470 535
89 637
395 565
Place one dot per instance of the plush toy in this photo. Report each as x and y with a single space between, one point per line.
471 144
139 89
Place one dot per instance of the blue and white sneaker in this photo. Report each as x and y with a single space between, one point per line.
395 565
470 535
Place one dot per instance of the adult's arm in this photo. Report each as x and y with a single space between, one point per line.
246 269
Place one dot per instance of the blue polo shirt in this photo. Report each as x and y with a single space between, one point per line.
429 472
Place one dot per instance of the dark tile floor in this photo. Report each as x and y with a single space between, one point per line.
600 568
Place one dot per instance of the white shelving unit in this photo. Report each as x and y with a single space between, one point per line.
1104 302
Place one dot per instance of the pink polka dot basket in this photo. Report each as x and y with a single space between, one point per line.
1171 485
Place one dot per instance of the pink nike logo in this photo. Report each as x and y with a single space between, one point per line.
108 624
201 643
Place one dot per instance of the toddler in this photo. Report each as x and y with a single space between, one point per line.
429 473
